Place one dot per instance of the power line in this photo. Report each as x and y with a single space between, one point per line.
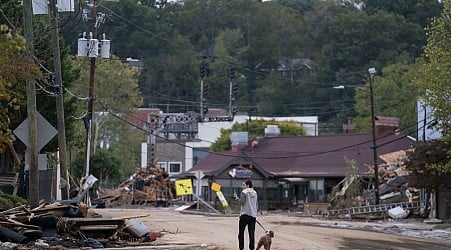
296 154
230 64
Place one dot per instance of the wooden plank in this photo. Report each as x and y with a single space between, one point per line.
16 223
131 217
50 207
93 221
98 227
13 209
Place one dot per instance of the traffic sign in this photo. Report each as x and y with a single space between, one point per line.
199 175
215 187
183 187
222 198
45 131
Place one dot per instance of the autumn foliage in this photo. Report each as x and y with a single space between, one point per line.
15 67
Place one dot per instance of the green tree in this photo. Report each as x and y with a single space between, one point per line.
416 11
15 68
105 164
434 77
255 128
378 40
275 35
254 36
116 91
230 46
278 96
46 91
394 96
430 164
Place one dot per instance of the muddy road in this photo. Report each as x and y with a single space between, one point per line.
199 231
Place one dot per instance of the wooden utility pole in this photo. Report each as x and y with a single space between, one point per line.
88 119
372 72
33 174
58 83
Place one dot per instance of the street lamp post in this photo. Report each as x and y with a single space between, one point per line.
372 72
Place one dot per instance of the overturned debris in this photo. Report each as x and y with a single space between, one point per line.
355 194
147 186
68 225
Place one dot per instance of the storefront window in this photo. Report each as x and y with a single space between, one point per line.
316 191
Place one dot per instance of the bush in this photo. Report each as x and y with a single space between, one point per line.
8 201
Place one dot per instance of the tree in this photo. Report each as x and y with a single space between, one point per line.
416 11
378 40
15 68
255 128
254 36
116 91
106 166
434 77
46 91
430 164
394 96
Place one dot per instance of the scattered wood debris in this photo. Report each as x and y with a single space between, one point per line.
357 193
146 186
69 225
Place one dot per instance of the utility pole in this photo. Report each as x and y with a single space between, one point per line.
33 174
152 142
233 91
90 47
203 93
372 72
58 83
88 118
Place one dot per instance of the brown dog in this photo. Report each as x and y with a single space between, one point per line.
266 240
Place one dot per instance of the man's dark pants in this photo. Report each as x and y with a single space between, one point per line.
249 221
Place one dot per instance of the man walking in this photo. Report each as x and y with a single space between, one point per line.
248 213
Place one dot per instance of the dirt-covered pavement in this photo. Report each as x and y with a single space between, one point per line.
191 230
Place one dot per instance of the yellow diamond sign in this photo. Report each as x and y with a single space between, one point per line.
183 187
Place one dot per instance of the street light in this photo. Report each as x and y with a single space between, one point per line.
372 72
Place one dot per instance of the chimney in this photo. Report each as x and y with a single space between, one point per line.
239 140
349 128
385 125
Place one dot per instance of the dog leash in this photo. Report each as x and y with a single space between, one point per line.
261 225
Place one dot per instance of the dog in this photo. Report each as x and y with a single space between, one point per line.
266 240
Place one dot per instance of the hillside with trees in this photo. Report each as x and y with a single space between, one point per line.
290 57
262 41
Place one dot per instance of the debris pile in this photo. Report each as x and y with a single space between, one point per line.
393 177
68 225
355 193
146 186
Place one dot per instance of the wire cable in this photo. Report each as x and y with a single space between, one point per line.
295 155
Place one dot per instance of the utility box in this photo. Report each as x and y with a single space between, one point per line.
83 47
65 5
105 47
93 48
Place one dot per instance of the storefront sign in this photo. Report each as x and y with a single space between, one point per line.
243 173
